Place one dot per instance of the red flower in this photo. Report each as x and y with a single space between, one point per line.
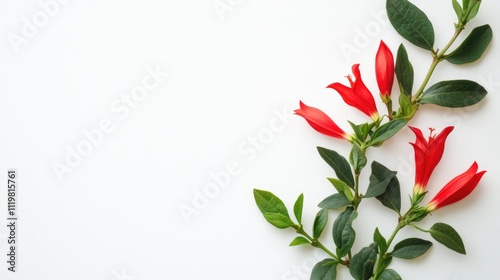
428 153
322 123
457 189
384 69
358 95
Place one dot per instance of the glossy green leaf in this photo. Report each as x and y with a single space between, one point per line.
357 158
454 94
334 201
339 164
411 248
458 9
298 207
273 209
279 220
299 240
320 223
391 198
325 270
404 71
343 233
411 23
380 240
380 178
447 236
362 263
473 46
389 274
386 131
342 188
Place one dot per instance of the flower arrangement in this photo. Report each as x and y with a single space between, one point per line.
373 261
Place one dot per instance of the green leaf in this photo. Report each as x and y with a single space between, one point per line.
386 131
391 198
473 46
325 270
454 94
380 240
474 9
343 233
362 263
297 208
334 201
411 23
411 248
320 223
279 220
339 164
357 158
447 236
273 209
458 9
406 108
358 131
389 274
342 187
299 240
404 71
379 179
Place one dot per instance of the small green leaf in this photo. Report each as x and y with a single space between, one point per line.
278 220
473 46
406 108
386 131
391 198
273 209
334 201
343 233
339 164
358 131
299 240
454 94
342 187
404 71
297 208
357 158
389 274
411 23
325 270
380 240
411 248
458 9
362 263
447 236
320 223
379 179
474 9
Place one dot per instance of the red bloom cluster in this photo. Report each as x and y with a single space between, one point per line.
428 153
356 95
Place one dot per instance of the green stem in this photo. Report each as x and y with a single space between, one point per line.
316 243
437 58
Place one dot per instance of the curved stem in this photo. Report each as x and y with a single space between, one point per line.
316 243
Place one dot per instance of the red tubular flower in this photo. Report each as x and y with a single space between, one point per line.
428 153
457 189
321 122
358 95
384 70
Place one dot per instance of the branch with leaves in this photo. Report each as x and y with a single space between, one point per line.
373 261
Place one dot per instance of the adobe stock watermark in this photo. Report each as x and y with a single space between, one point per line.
122 275
222 7
221 179
121 109
364 36
32 25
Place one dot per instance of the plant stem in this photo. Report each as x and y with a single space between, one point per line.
436 59
316 243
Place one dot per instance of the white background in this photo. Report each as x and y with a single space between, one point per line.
234 75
